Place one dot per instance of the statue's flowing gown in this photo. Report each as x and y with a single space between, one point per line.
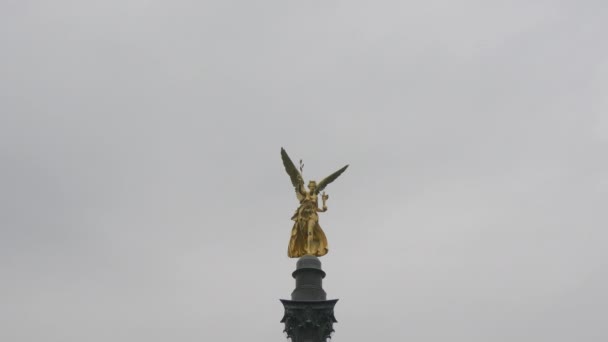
306 212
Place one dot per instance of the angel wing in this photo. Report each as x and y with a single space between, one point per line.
296 178
322 184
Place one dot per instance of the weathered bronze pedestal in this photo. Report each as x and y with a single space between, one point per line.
309 316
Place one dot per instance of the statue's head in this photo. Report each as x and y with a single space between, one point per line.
312 185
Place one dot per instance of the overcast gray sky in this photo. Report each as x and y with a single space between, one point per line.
143 196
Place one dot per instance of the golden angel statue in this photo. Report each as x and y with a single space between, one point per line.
307 237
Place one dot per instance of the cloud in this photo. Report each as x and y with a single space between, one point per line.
144 197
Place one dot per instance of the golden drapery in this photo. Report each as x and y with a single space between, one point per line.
306 218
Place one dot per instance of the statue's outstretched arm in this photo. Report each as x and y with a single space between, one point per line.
324 197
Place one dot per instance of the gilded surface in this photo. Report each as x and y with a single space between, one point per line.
307 237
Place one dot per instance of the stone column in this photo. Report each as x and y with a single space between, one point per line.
309 316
